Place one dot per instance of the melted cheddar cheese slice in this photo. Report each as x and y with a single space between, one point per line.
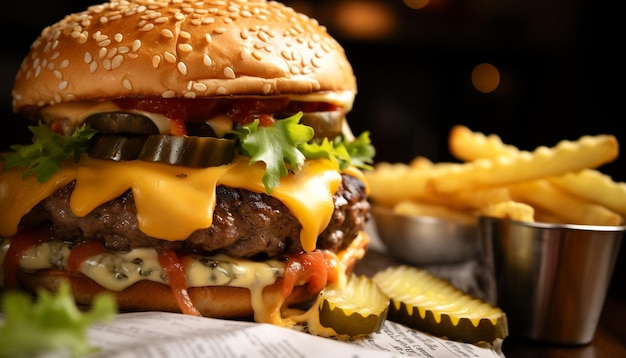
173 201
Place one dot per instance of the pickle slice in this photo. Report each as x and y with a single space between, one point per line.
358 308
326 124
433 305
189 151
119 122
116 147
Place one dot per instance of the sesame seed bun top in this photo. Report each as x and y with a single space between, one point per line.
180 48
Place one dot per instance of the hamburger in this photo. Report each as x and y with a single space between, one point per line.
187 156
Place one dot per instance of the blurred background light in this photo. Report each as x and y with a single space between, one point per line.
416 4
363 19
485 77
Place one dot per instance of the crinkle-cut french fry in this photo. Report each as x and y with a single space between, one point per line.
469 200
510 210
546 217
566 156
391 183
594 186
466 145
412 208
573 210
421 162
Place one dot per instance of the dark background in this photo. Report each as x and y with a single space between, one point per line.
560 63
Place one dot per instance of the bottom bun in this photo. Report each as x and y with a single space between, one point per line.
210 301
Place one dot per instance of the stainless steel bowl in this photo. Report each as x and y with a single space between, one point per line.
551 279
425 240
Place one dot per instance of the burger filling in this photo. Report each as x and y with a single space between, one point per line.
144 203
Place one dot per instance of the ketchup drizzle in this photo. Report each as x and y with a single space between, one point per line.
22 241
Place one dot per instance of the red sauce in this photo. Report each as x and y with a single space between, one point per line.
82 252
316 268
241 110
22 241
176 278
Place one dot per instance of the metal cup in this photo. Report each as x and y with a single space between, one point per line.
550 279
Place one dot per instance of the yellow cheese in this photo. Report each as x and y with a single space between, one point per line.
173 201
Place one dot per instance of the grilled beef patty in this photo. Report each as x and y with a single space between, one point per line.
245 224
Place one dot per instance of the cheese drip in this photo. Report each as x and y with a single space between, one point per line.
117 271
173 201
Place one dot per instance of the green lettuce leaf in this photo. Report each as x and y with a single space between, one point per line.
48 150
51 323
275 145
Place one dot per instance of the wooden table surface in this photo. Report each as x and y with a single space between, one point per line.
609 340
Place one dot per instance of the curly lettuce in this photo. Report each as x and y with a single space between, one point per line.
53 322
43 157
288 142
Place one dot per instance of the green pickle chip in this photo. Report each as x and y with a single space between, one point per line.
359 308
433 305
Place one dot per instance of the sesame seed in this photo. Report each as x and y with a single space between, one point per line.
185 47
126 83
102 53
200 87
117 61
161 20
65 64
257 55
87 58
169 57
118 37
136 45
267 88
189 94
58 74
93 66
106 63
147 27
208 38
112 52
83 37
63 85
185 35
167 33
221 91
229 72
219 30
182 68
168 94
156 60
123 49
207 60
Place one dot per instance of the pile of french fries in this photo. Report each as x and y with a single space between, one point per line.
558 184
